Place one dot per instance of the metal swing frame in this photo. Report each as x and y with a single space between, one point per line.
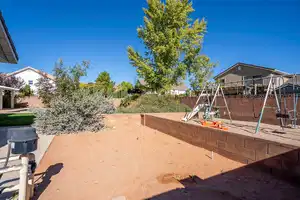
197 107
271 87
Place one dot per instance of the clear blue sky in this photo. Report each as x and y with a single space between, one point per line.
262 32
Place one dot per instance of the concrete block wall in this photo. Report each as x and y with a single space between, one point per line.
248 108
280 158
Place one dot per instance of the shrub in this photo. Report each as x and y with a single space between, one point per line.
67 80
152 103
45 90
26 91
128 100
79 111
119 94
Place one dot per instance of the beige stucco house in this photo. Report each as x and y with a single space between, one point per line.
243 78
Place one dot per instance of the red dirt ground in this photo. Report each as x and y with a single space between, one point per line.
138 162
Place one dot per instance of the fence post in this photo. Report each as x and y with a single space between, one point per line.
23 178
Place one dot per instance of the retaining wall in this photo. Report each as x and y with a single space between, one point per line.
248 108
280 159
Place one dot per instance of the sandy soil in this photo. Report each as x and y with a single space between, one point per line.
140 163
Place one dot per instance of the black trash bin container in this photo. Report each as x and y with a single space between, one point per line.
23 139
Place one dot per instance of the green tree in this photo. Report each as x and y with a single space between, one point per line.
104 83
45 90
138 85
172 44
86 85
67 79
125 86
200 73
26 91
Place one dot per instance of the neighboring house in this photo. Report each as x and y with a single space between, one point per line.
180 89
291 86
244 77
30 76
176 90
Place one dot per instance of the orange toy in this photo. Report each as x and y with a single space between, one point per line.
214 124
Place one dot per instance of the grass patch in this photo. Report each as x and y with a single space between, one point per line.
152 103
16 119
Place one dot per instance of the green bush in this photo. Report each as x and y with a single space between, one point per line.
79 111
119 94
26 91
152 103
45 90
129 99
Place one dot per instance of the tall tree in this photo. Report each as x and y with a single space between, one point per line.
67 79
104 83
172 43
125 86
200 72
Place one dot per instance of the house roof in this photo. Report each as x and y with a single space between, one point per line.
8 53
33 69
277 72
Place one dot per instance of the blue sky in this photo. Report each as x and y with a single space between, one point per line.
262 32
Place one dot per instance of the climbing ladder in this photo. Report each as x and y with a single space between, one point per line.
197 106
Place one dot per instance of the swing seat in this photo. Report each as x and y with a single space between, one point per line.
282 116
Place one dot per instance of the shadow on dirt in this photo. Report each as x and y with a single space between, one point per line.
248 182
44 179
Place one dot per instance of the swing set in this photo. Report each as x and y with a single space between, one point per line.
209 106
282 114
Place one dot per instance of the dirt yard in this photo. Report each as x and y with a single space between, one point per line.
137 162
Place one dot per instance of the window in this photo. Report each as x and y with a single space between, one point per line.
222 81
258 79
30 82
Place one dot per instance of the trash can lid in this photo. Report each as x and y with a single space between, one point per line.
21 134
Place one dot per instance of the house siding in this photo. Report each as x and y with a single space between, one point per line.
238 72
30 75
232 78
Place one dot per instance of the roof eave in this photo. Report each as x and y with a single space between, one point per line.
7 44
249 65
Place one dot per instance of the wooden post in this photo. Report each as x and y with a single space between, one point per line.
23 178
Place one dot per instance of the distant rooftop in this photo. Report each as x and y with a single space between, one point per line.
33 69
